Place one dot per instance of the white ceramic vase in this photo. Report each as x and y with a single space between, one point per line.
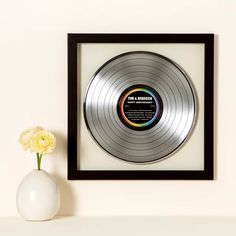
38 196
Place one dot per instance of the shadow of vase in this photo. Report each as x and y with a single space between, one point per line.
68 199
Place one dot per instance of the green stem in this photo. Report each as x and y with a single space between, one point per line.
39 158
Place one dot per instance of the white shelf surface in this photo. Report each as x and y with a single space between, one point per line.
122 226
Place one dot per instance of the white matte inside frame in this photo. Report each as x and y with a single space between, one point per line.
190 57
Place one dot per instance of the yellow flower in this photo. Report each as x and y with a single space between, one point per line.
43 142
26 136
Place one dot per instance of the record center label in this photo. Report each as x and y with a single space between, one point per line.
140 107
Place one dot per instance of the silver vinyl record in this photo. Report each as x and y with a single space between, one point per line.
140 107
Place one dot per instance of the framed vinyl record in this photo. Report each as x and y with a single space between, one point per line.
140 106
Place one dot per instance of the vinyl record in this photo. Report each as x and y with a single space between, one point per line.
140 107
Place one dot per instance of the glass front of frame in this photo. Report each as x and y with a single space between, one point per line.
190 155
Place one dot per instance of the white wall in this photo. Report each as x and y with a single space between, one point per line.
33 75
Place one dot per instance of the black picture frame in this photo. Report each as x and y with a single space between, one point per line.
208 172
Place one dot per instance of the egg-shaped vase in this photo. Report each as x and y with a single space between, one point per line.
38 196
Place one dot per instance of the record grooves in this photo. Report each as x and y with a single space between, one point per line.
140 107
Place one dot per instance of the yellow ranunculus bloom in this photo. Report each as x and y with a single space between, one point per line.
43 142
26 136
